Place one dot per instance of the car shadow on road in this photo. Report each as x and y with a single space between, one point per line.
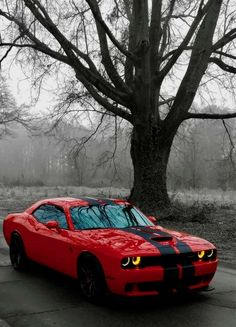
54 281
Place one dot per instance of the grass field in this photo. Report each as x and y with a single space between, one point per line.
205 196
187 197
210 214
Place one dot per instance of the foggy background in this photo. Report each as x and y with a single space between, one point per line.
201 157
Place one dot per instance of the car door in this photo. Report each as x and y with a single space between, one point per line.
52 246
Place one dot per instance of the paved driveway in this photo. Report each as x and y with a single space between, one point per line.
40 297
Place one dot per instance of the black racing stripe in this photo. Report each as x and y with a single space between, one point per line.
140 231
95 201
90 201
188 269
171 272
180 245
107 201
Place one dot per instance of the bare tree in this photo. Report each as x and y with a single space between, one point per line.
123 54
10 114
203 155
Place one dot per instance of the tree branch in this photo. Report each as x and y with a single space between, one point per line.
92 4
165 27
228 37
166 101
232 146
103 101
201 13
90 74
38 45
11 46
197 66
129 64
222 65
169 54
52 29
106 58
224 54
155 33
42 48
79 145
191 115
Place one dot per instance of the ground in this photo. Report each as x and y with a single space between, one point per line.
40 297
208 214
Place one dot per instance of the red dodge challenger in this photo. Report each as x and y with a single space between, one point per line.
109 245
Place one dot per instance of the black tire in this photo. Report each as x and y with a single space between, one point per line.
91 279
17 253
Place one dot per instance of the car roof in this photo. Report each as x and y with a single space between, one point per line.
81 201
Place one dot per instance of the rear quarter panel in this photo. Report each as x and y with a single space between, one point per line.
14 223
8 227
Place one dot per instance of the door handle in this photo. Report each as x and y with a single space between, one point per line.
37 227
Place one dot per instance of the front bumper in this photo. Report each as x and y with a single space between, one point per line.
156 280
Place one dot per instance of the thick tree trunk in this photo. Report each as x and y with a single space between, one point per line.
150 159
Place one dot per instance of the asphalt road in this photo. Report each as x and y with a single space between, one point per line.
40 297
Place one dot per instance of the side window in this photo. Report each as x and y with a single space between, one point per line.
38 213
46 213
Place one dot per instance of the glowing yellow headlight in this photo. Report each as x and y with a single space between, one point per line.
136 261
201 254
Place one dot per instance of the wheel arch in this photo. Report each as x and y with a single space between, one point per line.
99 283
16 233
17 252
85 255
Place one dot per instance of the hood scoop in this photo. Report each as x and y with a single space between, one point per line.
162 238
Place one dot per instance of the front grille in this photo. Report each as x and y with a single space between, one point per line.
173 259
163 286
180 284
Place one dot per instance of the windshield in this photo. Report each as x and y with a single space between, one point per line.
107 216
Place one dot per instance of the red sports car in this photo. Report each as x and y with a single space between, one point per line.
109 245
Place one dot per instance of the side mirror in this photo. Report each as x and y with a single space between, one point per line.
152 219
52 224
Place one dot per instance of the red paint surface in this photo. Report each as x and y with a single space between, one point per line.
60 249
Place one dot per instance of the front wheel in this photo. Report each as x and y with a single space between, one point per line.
91 279
17 253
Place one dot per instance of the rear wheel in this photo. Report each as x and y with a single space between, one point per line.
17 253
91 279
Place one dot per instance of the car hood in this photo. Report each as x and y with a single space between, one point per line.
146 240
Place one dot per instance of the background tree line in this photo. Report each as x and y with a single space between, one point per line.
203 159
